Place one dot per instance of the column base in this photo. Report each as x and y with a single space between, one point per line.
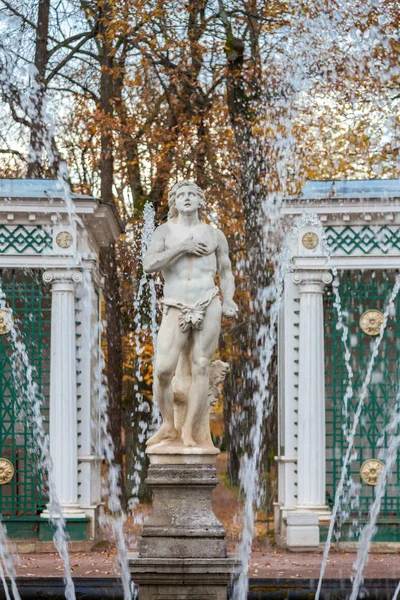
322 510
77 524
92 513
297 528
182 578
69 511
302 531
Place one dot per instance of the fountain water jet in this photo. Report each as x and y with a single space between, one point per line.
396 592
105 445
106 448
29 103
146 296
267 338
21 364
7 561
341 326
360 404
347 354
370 528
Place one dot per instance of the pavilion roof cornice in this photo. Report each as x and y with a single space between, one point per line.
46 206
292 208
356 201
47 202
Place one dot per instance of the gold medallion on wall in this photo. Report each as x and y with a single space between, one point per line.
64 239
6 320
371 322
6 471
310 240
370 471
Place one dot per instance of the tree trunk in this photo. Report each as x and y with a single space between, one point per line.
38 128
129 143
239 409
108 264
108 258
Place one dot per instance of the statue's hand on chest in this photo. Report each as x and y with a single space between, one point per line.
197 242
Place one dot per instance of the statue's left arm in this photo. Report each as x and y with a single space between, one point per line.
227 282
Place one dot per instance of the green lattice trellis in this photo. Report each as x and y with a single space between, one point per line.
23 238
361 291
367 240
30 302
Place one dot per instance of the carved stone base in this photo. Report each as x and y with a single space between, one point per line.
183 524
182 579
182 550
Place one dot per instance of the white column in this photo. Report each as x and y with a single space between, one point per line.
63 405
311 415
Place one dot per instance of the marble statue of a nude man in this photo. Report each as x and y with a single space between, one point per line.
189 253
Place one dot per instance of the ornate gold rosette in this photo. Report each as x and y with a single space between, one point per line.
6 320
310 240
371 321
6 471
370 470
64 239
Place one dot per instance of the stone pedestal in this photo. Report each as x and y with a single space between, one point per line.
182 551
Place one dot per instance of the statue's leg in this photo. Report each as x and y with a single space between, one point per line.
170 341
181 384
205 342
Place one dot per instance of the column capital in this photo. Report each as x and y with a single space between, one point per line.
62 276
310 281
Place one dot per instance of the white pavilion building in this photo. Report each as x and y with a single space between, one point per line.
351 228
51 289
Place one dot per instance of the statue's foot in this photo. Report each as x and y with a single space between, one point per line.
166 432
187 439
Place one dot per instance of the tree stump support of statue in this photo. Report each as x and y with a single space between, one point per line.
182 550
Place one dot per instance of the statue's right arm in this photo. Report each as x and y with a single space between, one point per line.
157 257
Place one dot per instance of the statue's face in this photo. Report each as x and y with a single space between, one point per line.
187 200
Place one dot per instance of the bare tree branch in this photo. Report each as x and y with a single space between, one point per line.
18 14
83 87
65 43
57 69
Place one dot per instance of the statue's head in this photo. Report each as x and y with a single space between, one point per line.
173 211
